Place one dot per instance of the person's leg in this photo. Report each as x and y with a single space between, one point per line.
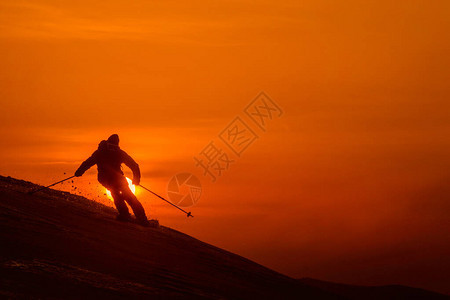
119 202
131 199
114 187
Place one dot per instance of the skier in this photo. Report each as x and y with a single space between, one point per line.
109 158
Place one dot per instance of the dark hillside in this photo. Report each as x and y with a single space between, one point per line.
55 244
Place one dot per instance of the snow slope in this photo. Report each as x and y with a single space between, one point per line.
57 245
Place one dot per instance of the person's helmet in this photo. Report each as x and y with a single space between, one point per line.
113 139
113 142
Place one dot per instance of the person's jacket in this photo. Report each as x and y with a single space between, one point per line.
109 159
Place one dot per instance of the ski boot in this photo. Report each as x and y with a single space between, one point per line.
148 223
124 218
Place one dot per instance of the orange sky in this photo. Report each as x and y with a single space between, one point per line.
350 184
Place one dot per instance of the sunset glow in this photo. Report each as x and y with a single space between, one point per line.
356 169
130 185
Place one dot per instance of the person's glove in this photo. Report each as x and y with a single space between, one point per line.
136 181
78 173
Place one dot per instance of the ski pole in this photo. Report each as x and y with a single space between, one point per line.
187 213
45 187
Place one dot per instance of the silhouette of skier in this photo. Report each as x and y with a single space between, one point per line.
109 158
